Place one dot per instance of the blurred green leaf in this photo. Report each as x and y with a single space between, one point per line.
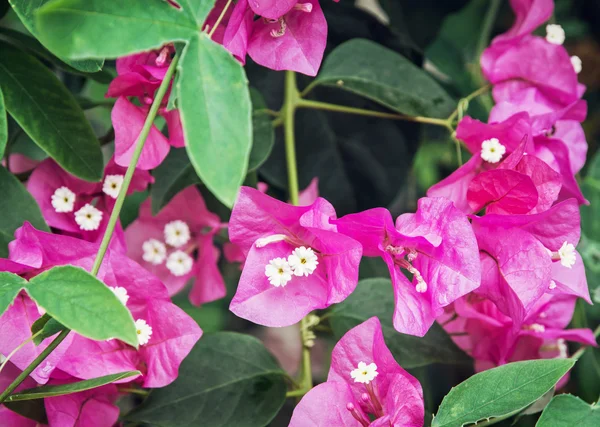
32 409
131 207
215 109
10 286
500 392
83 303
567 411
25 10
62 389
49 114
590 213
17 206
228 379
374 297
3 126
263 134
382 75
173 175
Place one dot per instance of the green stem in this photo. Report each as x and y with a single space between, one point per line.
468 98
29 369
488 24
317 105
291 102
114 216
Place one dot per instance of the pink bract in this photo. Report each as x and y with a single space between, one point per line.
394 397
257 216
436 245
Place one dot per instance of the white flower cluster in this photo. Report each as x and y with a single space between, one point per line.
177 234
302 262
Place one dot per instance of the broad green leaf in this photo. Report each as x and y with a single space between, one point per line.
590 213
374 297
173 175
566 410
216 116
49 114
263 134
375 72
60 390
228 379
500 391
17 206
3 126
34 47
124 26
593 168
10 286
25 11
82 303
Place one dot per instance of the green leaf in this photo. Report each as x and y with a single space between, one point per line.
567 411
32 409
125 27
60 390
173 175
3 126
216 116
263 134
49 114
374 297
10 286
500 392
17 206
51 328
590 213
25 11
375 72
82 303
228 379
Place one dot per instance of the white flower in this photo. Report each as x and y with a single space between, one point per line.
112 185
120 293
492 151
155 251
144 331
552 285
63 200
364 373
536 327
567 255
303 261
278 271
179 263
555 34
177 233
577 64
563 350
88 218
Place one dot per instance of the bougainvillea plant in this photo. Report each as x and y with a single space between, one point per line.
303 213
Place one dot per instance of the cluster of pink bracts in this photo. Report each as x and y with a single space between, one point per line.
490 253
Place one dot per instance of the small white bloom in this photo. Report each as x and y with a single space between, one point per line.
492 151
155 251
179 263
88 218
112 185
555 34
120 293
577 64
563 350
177 233
364 373
567 255
278 271
552 285
536 327
63 200
144 331
303 261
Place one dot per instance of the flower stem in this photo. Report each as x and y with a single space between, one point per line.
291 102
317 105
29 369
112 222
219 19
114 216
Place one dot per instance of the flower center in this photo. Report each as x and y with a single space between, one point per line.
566 255
555 34
411 255
112 185
177 233
144 331
179 263
88 218
492 151
63 200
